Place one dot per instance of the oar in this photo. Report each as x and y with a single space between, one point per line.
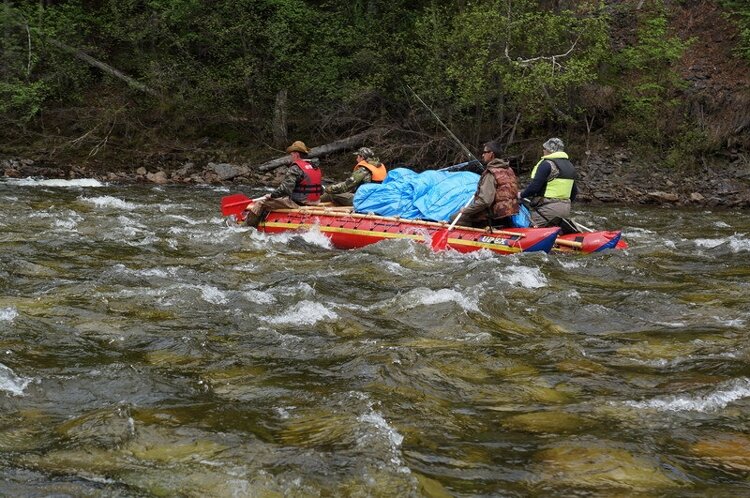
459 165
579 227
235 204
440 239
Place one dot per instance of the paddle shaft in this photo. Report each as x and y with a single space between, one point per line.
450 133
458 166
460 213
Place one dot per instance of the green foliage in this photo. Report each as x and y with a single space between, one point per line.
486 66
648 81
508 58
689 146
22 101
739 13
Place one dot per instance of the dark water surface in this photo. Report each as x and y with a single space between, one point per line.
148 350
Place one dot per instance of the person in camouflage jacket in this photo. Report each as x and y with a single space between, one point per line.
368 169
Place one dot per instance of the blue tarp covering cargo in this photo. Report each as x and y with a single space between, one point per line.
431 195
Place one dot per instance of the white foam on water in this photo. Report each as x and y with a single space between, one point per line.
573 294
382 429
530 278
185 219
259 297
302 287
393 267
721 224
673 325
146 241
163 208
426 297
129 222
311 236
8 314
570 264
737 243
736 323
726 393
107 201
212 294
304 313
66 224
12 383
81 182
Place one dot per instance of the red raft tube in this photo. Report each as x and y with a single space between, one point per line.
590 242
349 230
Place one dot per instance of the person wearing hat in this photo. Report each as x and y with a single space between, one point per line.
496 198
302 186
368 169
552 187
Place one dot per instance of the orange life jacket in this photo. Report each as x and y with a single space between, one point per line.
309 189
378 172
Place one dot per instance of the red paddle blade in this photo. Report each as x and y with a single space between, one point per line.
440 240
234 204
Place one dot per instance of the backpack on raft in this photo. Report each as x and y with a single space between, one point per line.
522 219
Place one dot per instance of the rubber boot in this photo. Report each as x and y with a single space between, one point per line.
252 219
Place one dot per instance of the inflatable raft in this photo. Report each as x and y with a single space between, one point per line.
348 230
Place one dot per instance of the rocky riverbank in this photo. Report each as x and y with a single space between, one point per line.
606 177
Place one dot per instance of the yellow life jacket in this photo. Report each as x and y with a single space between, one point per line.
561 186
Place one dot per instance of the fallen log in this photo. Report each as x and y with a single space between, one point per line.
104 67
321 150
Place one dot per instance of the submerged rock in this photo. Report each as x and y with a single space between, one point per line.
730 450
594 467
548 422
107 428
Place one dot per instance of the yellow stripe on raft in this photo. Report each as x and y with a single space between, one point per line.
388 235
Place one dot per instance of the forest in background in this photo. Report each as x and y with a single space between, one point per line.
122 83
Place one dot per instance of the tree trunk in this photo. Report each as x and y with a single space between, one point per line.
321 150
104 67
280 137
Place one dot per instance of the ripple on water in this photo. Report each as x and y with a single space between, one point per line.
304 313
256 363
8 314
12 383
724 394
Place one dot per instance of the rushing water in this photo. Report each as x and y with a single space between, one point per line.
147 349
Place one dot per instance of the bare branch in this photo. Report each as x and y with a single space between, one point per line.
553 58
552 105
28 35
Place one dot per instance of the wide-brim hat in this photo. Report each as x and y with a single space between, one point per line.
298 146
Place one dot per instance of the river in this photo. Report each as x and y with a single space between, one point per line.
146 349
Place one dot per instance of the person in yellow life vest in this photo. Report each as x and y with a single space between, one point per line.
302 186
553 185
368 169
496 197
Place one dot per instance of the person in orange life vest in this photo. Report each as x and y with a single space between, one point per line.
496 198
368 169
301 187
